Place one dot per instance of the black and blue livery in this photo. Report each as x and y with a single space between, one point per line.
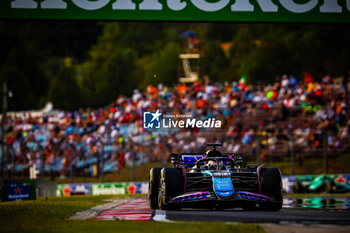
214 180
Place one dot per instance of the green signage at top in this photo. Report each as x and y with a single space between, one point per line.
333 11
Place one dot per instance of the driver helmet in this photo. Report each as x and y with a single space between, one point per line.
211 165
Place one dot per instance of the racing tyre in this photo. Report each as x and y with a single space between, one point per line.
171 185
153 187
271 186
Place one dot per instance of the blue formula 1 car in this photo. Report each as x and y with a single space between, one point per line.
214 181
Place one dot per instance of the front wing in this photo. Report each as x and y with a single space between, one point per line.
206 199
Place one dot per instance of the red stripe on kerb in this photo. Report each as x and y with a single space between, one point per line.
135 210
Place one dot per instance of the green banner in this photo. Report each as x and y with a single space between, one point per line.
109 188
102 188
333 11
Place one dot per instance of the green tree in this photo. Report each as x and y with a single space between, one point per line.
31 53
64 91
162 66
23 72
264 52
215 61
270 57
243 44
320 49
108 74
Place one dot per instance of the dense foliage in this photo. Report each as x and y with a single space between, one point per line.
89 64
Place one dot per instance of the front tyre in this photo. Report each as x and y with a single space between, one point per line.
153 187
171 185
271 186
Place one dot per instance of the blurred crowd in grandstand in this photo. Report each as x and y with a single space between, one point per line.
262 122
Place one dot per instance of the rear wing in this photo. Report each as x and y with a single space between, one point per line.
189 160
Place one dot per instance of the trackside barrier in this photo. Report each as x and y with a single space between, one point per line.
19 190
303 183
102 188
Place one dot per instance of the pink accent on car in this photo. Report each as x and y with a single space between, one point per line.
184 171
258 171
192 194
255 194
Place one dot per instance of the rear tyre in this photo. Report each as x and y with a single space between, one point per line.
171 185
271 186
153 187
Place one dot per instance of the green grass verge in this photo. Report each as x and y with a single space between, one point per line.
51 215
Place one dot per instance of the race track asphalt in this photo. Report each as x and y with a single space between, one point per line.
138 209
286 215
